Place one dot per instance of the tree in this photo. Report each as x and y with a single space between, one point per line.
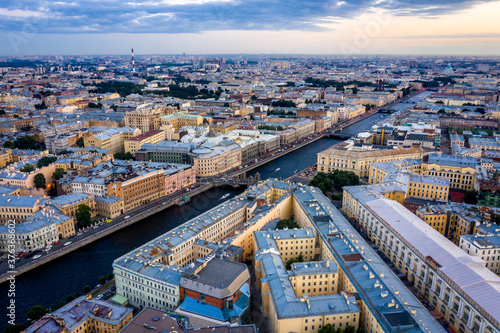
470 197
39 180
27 142
86 289
16 328
95 105
58 174
124 156
109 277
83 216
70 298
102 280
2 112
80 142
9 144
361 329
350 329
289 263
328 328
46 161
65 152
27 168
286 223
37 312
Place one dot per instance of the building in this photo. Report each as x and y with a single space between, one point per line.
181 119
361 290
145 119
216 288
19 208
459 170
211 160
111 138
347 157
135 182
84 315
28 236
68 204
149 318
224 127
135 143
457 286
5 157
109 206
486 247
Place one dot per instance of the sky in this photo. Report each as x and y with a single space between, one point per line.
89 27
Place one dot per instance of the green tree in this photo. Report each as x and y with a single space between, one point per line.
39 180
46 161
102 280
27 168
37 312
9 144
2 112
87 289
328 328
70 298
58 174
27 142
95 105
79 142
16 328
65 152
289 263
54 307
109 277
470 197
286 223
350 329
124 156
83 216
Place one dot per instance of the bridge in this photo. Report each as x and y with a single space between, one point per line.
237 180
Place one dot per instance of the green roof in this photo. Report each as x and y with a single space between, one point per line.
119 299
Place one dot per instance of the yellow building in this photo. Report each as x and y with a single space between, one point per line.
84 315
223 127
460 171
135 143
144 119
209 162
109 206
19 208
68 204
181 119
112 138
5 157
345 156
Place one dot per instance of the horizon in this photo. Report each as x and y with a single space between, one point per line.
157 27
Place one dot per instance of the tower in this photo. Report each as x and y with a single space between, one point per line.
133 61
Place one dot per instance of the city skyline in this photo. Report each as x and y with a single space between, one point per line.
215 27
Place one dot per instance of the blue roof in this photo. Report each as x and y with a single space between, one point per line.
19 201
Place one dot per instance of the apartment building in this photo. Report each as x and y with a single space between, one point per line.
346 156
181 119
19 208
458 286
459 170
145 119
111 138
133 144
84 315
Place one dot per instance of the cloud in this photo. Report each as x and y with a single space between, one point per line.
194 16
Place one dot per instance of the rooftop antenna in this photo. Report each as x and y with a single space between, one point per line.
133 61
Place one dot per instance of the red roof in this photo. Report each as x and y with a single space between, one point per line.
145 135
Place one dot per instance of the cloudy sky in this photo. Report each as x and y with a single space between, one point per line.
249 26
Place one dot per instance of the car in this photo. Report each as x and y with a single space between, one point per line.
58 242
126 217
157 202
95 227
67 243
36 256
109 220
98 297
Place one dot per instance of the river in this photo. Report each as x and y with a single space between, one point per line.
53 281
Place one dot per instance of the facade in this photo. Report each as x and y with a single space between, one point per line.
5 157
135 143
28 236
19 208
181 119
486 247
345 157
212 161
68 204
109 207
145 119
459 170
